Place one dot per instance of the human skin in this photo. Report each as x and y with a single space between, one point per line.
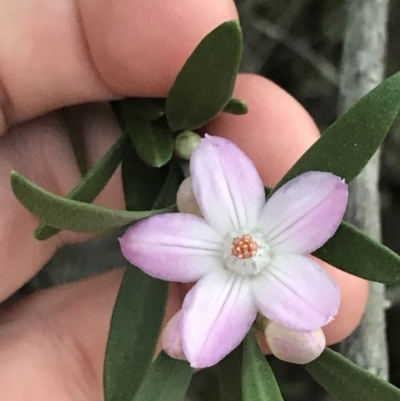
57 54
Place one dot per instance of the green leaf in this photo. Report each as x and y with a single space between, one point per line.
142 182
354 252
91 184
166 380
67 214
348 144
205 84
135 327
204 386
148 187
347 381
258 380
150 108
76 137
153 140
230 375
135 324
236 106
167 195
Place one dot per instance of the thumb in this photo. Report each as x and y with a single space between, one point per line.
61 53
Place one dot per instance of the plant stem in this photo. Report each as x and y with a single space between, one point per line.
362 70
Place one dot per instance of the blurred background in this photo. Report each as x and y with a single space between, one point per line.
297 44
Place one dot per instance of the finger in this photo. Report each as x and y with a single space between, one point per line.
52 344
63 53
41 149
274 134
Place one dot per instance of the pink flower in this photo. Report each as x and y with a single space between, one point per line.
246 255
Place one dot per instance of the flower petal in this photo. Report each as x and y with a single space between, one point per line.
216 315
296 292
171 338
174 247
304 213
226 184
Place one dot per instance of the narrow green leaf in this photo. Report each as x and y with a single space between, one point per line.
135 327
258 380
91 184
354 252
236 106
230 375
150 108
166 380
205 84
142 182
204 386
153 140
347 145
72 215
347 381
76 137
167 195
135 324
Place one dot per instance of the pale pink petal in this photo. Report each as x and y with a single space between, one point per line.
226 184
296 292
174 247
171 338
294 346
216 315
304 213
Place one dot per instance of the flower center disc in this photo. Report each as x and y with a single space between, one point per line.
244 247
246 253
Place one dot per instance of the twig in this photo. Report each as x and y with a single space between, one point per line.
285 22
301 48
256 49
253 55
362 70
257 29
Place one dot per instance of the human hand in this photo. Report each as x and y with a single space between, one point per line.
52 344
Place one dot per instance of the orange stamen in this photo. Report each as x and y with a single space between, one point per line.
244 247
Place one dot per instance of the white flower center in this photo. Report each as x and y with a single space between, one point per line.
246 253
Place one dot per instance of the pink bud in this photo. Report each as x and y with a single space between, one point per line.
185 199
294 346
171 338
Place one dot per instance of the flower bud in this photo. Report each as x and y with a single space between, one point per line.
171 339
185 199
294 346
186 143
